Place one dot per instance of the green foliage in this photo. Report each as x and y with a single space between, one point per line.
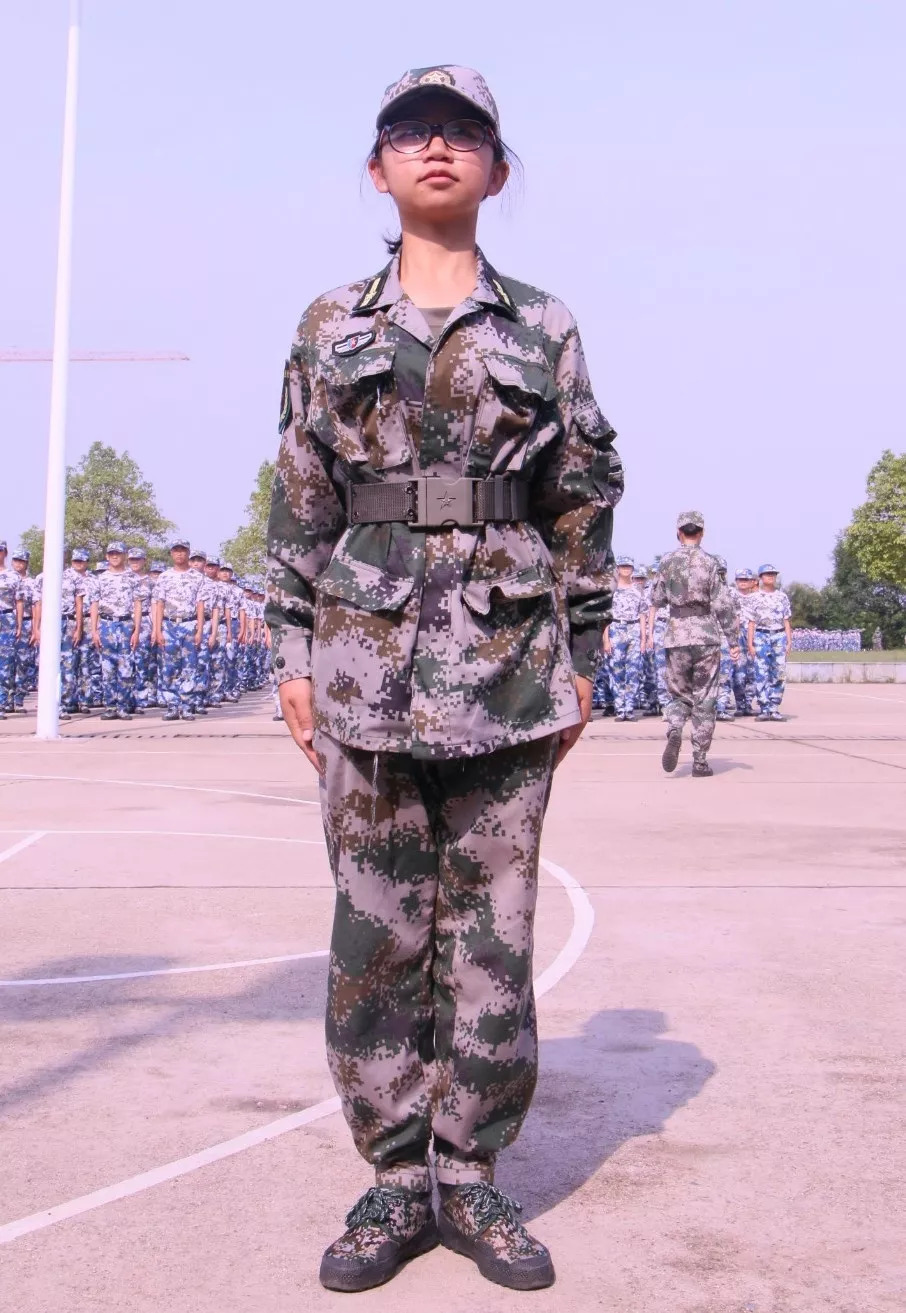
33 542
850 600
107 498
877 536
808 606
247 549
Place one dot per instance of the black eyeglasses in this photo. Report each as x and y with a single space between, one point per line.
412 135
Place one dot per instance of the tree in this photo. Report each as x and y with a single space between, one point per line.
33 542
247 549
107 498
808 606
877 536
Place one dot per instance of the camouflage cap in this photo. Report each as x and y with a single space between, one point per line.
79 554
768 569
465 83
2 544
625 560
745 573
225 565
137 553
721 563
179 542
198 555
690 519
116 547
23 554
640 572
213 560
100 567
156 567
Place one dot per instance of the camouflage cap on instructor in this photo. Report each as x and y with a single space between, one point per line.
465 83
690 519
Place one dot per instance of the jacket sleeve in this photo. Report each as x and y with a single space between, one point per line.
305 524
724 609
573 496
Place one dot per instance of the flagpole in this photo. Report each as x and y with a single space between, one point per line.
48 726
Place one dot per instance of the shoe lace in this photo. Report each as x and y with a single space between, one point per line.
374 1207
488 1204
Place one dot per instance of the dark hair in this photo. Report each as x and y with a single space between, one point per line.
502 152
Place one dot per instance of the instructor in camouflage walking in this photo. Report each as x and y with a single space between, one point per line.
439 547
701 609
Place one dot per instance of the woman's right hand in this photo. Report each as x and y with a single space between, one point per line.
295 703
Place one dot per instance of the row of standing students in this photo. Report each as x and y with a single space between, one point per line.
186 638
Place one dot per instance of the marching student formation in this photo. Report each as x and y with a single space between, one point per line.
135 635
631 679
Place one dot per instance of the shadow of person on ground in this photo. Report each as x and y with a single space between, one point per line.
168 1007
617 1080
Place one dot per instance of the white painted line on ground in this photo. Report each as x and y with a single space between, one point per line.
162 971
583 921
869 697
22 845
189 834
156 784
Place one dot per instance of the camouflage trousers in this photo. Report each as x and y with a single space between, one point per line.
26 676
116 662
178 660
602 692
7 659
91 692
770 667
744 677
693 674
69 666
144 668
726 703
431 1026
203 668
660 663
625 665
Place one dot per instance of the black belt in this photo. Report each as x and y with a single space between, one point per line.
119 618
179 619
434 503
759 630
690 609
626 622
69 615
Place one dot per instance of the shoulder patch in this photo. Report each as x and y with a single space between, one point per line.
348 346
503 294
286 405
371 293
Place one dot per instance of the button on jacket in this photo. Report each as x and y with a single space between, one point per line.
447 641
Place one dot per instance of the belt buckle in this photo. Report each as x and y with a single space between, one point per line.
444 501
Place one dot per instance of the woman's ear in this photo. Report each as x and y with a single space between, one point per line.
376 173
497 181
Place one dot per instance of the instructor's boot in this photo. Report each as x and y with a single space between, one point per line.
672 750
388 1226
701 770
480 1222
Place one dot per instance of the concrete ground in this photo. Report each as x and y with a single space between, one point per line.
719 1120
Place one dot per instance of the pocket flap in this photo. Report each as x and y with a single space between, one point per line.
368 363
364 585
533 581
592 422
522 375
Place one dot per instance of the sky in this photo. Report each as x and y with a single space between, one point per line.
715 188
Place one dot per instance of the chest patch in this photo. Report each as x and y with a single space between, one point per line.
348 346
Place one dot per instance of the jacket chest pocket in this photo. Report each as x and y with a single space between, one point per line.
512 402
357 409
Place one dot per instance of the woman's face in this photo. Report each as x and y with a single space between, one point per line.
438 184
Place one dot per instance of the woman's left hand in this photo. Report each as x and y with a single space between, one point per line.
570 737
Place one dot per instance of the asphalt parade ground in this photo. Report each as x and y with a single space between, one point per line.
718 1126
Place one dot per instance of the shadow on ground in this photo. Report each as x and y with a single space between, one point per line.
619 1079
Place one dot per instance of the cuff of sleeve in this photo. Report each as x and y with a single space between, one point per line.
290 654
586 653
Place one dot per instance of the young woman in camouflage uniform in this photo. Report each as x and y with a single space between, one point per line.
439 547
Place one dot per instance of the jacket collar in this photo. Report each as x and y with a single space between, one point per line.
385 290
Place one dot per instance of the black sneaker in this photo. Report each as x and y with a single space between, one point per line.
480 1222
171 715
187 715
701 770
776 715
672 751
763 715
109 714
387 1227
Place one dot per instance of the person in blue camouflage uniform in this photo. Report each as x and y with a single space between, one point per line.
143 693
72 621
643 580
178 619
11 607
91 686
726 703
116 616
155 570
234 629
216 683
770 638
623 641
602 691
744 668
439 540
25 679
210 597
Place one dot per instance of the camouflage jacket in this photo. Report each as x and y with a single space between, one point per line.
179 591
115 593
10 590
628 604
701 609
454 641
769 610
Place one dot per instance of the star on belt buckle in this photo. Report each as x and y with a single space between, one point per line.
440 502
